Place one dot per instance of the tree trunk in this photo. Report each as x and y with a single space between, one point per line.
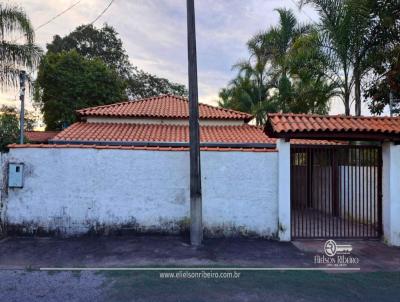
347 103
357 92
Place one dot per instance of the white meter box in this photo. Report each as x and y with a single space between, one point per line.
15 175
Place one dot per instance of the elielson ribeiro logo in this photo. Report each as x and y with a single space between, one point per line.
336 255
331 248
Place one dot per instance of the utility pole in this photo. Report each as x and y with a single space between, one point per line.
196 223
22 76
391 103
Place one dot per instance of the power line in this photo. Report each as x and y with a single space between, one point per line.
58 15
102 13
52 19
65 11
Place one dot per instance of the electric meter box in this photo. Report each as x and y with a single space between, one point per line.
15 175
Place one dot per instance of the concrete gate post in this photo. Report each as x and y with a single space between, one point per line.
391 193
284 230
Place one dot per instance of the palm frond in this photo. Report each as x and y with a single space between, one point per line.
27 55
14 19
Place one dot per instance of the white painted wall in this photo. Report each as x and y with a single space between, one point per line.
391 193
284 190
240 192
76 190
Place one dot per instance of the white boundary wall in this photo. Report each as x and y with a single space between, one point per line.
391 193
284 190
73 191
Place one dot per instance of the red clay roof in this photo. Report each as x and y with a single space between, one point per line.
325 126
123 132
165 106
40 136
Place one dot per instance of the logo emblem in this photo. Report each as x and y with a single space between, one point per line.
330 248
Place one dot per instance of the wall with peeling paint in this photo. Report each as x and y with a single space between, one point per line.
74 191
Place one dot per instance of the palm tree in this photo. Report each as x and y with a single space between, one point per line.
14 56
350 35
250 87
313 87
245 95
279 41
273 79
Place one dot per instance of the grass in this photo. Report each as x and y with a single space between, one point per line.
262 286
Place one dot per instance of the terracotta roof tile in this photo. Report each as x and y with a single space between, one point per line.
147 148
166 106
125 132
40 136
279 124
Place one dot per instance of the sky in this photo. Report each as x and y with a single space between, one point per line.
154 34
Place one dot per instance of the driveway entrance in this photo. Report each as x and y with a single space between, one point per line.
336 191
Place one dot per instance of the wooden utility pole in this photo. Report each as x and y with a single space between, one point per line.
22 76
196 223
391 103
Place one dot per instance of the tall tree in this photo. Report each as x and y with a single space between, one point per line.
92 43
67 81
249 91
384 76
15 56
312 87
245 95
384 80
141 84
351 33
105 44
277 76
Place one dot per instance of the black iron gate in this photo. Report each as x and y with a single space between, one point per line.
336 191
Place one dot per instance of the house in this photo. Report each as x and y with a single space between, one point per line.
40 137
162 122
125 166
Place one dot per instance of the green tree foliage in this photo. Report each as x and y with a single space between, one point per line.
67 82
285 72
9 125
384 75
141 84
93 43
9 128
313 89
15 56
352 33
385 79
105 44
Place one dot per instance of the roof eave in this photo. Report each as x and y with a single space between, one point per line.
335 135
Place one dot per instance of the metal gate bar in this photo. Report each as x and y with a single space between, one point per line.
336 191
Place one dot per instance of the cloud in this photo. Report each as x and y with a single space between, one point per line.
154 32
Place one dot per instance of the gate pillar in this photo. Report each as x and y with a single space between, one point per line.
284 222
391 193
